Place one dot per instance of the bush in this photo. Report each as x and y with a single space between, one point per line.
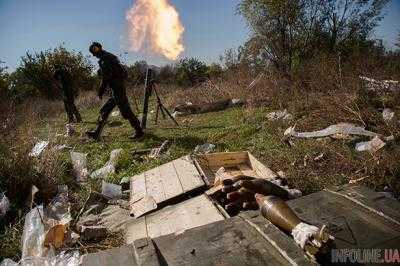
34 76
191 71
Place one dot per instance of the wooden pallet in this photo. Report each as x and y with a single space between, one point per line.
191 213
163 183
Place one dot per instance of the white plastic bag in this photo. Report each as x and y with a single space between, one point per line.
4 204
38 148
80 170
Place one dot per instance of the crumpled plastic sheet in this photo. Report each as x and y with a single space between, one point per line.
4 204
80 170
204 149
372 146
342 128
303 232
109 167
111 191
33 235
38 148
39 223
284 115
62 259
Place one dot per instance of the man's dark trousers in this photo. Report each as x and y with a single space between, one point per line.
119 99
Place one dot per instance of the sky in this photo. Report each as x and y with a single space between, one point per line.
211 26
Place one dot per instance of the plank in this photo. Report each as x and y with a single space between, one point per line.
188 214
261 169
229 242
188 175
226 158
171 183
135 229
138 187
154 185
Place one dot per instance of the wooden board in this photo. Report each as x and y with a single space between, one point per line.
229 242
191 213
165 182
235 163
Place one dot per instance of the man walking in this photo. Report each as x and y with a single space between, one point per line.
113 76
64 80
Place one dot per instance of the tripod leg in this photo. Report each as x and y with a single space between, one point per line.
158 110
169 114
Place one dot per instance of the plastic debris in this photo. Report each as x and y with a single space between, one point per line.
156 152
109 167
69 130
31 198
303 233
4 204
44 230
388 114
38 148
338 129
115 114
204 149
379 85
80 170
111 191
33 235
372 146
8 262
284 115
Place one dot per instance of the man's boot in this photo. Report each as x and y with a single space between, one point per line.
95 134
136 125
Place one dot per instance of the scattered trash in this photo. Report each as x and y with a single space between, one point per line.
355 181
38 148
31 198
156 152
143 206
338 129
379 85
4 204
69 130
92 232
284 115
44 230
319 157
61 147
34 234
388 114
109 167
372 146
204 149
115 114
111 191
8 262
80 170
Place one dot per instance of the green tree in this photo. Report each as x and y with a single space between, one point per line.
191 71
4 80
34 76
287 32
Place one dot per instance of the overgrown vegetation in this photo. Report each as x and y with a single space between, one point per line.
34 76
